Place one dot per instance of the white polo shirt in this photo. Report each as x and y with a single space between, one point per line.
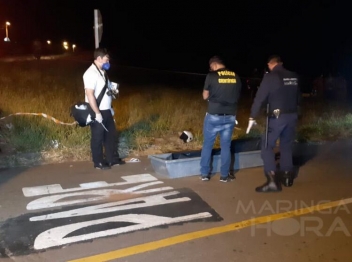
94 80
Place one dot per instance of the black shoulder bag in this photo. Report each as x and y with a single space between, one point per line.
82 111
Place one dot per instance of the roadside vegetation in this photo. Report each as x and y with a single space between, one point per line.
149 117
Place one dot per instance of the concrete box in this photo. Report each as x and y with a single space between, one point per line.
183 164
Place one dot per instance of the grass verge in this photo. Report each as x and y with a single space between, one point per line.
149 117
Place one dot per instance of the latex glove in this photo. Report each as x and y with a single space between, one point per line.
236 122
112 111
114 86
99 118
251 123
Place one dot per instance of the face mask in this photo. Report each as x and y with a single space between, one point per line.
106 66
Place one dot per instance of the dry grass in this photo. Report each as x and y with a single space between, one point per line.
149 117
325 121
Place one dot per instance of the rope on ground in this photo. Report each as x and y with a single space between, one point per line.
41 114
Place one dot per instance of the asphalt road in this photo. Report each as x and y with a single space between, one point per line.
72 212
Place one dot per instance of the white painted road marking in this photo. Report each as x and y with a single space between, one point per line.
56 236
153 200
71 225
90 196
57 189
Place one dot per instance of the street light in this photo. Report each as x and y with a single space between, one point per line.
65 44
7 39
49 42
73 47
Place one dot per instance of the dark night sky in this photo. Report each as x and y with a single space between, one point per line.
179 35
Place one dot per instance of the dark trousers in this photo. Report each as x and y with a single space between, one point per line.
283 128
102 138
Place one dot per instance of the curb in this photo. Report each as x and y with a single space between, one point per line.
40 158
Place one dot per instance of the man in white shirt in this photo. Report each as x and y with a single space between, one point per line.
95 79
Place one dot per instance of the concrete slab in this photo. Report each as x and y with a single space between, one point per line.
189 165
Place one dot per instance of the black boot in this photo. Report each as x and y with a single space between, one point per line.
287 178
272 184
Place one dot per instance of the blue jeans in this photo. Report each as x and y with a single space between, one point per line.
213 125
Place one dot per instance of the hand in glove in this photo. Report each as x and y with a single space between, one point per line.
251 123
99 118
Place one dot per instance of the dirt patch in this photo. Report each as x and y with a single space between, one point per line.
165 145
122 196
110 198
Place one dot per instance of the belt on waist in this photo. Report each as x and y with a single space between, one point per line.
221 114
283 112
277 113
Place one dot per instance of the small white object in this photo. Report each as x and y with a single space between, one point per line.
81 107
115 87
251 123
55 144
133 160
186 136
89 120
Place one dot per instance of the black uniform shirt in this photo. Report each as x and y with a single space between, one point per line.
224 88
279 88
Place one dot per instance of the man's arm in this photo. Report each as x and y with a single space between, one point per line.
90 83
92 100
205 94
261 96
206 88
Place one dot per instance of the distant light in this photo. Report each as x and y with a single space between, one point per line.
7 39
49 42
65 45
